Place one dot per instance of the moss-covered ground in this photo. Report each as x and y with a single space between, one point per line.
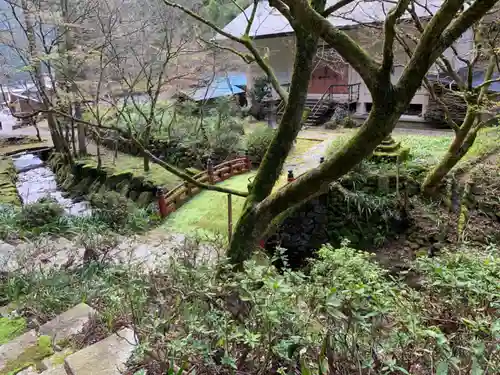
207 212
10 328
32 356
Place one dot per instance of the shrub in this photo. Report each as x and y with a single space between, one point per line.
258 141
113 208
349 122
44 212
347 315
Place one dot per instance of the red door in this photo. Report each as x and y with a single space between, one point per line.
324 76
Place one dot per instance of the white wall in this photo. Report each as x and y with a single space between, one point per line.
281 51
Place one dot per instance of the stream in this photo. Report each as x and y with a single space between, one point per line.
35 181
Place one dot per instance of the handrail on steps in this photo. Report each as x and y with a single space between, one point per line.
329 92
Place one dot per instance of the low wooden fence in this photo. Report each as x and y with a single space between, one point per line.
176 197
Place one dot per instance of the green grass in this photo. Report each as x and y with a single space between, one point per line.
207 211
429 149
11 328
134 164
302 146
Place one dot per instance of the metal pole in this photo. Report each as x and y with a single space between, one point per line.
229 217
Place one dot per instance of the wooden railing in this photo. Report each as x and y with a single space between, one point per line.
352 91
176 197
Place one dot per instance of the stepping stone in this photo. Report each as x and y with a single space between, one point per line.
14 348
68 323
58 370
28 371
6 255
107 357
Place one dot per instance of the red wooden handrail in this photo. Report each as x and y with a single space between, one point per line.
181 193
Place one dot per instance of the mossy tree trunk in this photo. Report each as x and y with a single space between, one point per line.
465 134
309 19
33 58
389 102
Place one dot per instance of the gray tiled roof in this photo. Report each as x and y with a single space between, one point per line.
269 21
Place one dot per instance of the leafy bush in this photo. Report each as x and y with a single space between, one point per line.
345 316
41 213
348 122
258 141
113 208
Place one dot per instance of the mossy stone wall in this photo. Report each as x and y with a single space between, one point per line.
8 176
85 179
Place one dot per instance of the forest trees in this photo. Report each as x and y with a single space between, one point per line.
309 22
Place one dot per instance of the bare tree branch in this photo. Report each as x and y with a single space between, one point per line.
333 8
390 34
245 41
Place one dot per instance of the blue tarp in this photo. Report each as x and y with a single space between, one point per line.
478 78
223 85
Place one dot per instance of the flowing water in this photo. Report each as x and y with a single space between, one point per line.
35 181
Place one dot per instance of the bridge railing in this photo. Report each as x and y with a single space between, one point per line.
176 197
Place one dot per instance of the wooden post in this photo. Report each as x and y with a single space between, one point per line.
210 170
248 162
162 205
229 217
188 188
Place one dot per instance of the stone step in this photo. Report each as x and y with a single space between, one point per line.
14 348
107 357
68 323
60 328
58 370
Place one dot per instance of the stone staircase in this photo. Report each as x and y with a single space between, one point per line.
317 111
24 355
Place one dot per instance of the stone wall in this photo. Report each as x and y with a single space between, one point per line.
85 179
367 213
8 188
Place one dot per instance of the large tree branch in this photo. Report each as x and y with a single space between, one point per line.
463 22
333 8
316 181
245 41
390 35
356 56
291 123
167 166
424 54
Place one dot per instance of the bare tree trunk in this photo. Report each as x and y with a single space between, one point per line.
82 131
147 136
37 130
57 136
463 141
73 138
98 145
